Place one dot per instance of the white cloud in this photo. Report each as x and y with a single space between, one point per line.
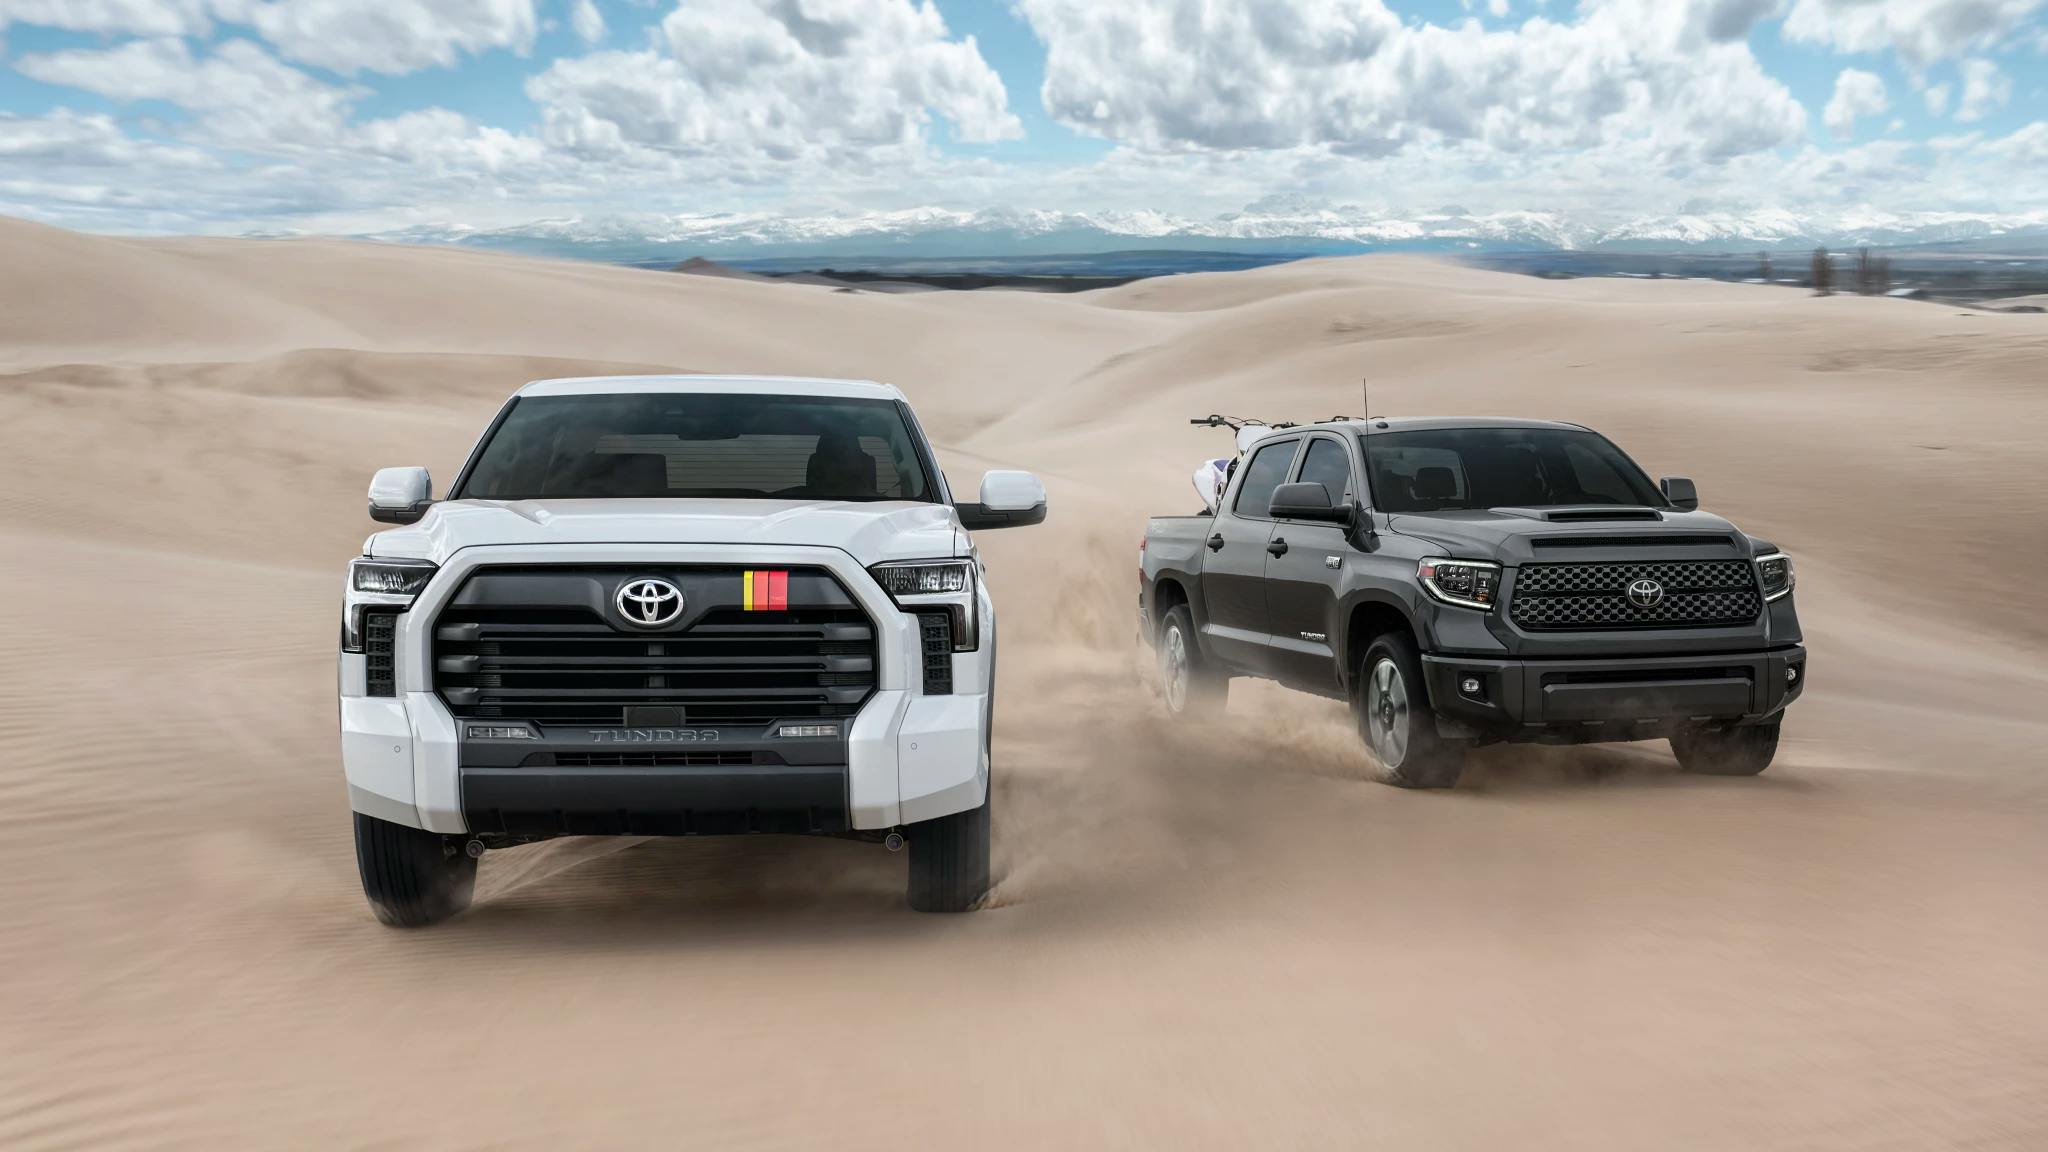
242 93
347 36
1920 31
1348 75
393 36
588 21
777 81
138 17
78 140
2028 146
1598 109
1985 89
1857 93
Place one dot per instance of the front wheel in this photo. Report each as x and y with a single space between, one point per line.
413 878
1395 719
1743 751
949 858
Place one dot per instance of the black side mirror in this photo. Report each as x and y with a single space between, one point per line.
1680 492
1308 502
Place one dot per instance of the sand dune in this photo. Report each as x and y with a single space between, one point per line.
1222 937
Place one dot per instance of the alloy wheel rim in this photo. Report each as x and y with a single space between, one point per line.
1386 713
1174 663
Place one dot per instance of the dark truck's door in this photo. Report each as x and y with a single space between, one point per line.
1304 570
1235 628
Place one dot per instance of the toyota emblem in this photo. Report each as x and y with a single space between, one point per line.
648 603
1645 593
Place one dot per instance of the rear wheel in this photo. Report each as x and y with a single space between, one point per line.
412 878
949 859
1743 751
1189 683
1395 720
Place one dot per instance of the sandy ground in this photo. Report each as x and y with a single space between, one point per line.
1221 937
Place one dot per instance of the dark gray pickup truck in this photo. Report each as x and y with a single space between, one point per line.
1467 581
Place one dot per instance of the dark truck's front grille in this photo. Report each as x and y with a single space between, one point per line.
1590 597
543 645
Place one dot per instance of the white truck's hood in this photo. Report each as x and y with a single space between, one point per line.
869 532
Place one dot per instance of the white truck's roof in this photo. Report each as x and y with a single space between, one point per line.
727 385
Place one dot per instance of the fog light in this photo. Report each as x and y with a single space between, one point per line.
1469 685
799 731
1791 673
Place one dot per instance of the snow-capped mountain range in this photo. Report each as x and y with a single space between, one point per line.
1273 226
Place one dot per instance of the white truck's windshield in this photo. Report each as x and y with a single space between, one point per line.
1456 469
699 445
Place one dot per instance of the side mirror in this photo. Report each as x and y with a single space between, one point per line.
1308 502
400 495
1008 500
1680 492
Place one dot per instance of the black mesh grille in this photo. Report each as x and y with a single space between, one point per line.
936 631
565 665
380 633
1588 597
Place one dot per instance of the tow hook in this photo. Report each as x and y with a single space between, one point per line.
893 841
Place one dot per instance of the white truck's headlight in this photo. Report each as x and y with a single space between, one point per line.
379 584
1775 571
1466 583
926 585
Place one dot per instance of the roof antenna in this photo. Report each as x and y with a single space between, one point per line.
1365 449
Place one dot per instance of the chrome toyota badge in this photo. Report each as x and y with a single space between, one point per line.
648 603
1645 593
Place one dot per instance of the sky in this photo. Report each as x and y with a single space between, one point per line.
351 116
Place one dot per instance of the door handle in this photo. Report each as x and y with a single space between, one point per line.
1278 547
1216 542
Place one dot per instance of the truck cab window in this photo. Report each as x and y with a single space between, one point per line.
1266 472
1329 465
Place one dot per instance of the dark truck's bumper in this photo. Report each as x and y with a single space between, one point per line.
1568 700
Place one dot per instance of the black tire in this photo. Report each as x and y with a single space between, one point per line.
949 859
412 878
1390 700
1743 751
1194 687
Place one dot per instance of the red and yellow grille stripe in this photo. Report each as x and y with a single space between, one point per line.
764 591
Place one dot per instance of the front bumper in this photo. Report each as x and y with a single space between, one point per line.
904 757
1610 699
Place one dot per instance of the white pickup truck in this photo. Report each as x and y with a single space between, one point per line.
674 605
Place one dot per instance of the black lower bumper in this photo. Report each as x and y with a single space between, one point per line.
1610 699
654 801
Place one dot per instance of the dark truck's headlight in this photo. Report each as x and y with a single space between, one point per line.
1466 583
1775 573
379 584
925 585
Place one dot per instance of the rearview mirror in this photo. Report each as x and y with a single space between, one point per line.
400 495
1309 501
1680 492
1008 500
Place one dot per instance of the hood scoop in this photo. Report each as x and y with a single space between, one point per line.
1583 514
